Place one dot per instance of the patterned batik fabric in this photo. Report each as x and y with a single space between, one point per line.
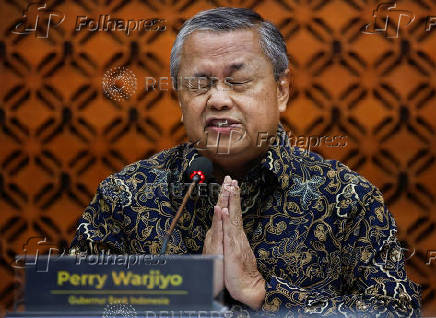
323 238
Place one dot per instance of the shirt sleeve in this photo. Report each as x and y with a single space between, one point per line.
100 227
373 274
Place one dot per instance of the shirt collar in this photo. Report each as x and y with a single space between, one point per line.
277 159
189 154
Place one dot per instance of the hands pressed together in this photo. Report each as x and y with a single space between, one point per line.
238 270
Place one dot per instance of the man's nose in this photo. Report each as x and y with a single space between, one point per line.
219 98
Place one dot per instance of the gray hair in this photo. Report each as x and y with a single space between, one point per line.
229 19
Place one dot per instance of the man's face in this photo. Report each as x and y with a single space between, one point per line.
228 95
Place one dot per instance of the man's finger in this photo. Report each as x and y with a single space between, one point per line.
223 198
228 235
215 217
217 225
235 204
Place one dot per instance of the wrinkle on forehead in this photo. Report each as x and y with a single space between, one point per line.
203 51
215 43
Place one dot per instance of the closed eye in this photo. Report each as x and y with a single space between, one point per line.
238 83
198 85
231 82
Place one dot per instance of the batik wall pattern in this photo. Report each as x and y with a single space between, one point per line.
364 93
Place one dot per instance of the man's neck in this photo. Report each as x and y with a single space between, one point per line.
237 172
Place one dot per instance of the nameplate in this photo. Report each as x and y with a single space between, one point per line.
144 282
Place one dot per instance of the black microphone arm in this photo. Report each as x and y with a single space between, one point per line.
200 169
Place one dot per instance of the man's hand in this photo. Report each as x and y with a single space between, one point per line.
241 277
213 245
214 242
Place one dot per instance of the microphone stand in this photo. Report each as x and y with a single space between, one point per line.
195 180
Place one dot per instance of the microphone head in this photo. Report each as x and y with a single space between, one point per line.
201 168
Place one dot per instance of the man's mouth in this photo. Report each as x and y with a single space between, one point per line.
222 123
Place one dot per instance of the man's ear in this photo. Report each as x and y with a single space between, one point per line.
180 105
283 90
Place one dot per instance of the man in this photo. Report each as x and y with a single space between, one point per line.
298 234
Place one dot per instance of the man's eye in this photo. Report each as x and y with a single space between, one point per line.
198 83
232 82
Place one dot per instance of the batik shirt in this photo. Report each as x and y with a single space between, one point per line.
323 238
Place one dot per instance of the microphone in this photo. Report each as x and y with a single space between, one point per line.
199 171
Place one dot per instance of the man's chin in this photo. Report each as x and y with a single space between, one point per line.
224 149
229 155
224 138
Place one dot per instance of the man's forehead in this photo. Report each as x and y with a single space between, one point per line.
215 43
204 70
231 51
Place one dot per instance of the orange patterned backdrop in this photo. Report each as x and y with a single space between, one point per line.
60 135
